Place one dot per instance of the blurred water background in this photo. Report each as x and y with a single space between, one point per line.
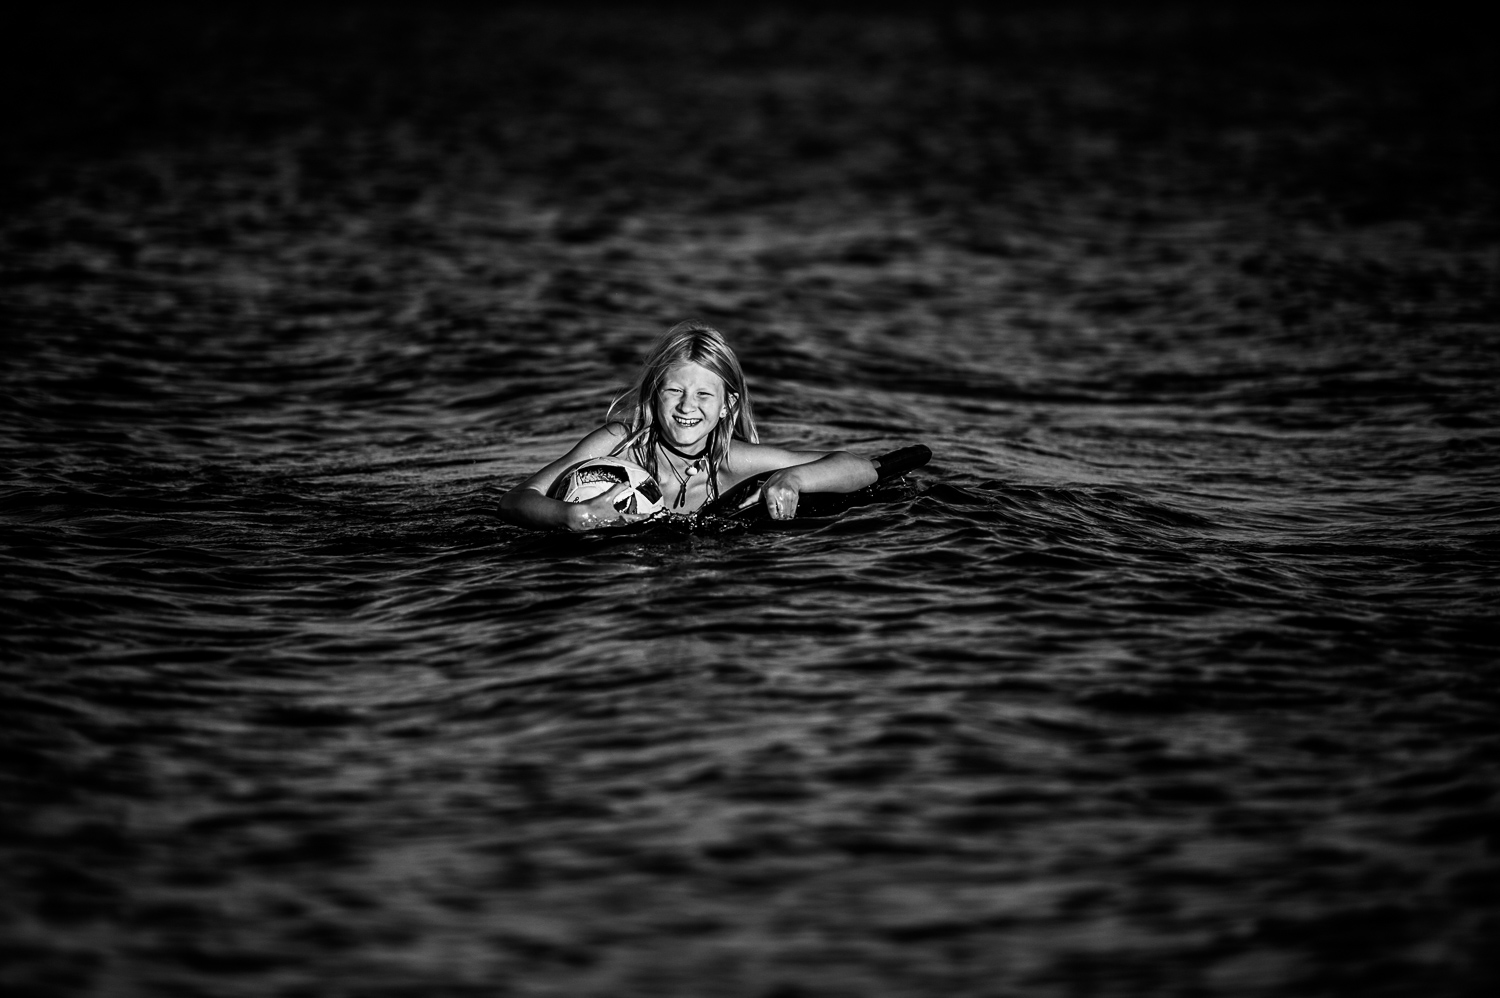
1174 673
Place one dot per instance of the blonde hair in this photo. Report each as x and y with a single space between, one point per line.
686 342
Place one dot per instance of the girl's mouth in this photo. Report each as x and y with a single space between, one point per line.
689 423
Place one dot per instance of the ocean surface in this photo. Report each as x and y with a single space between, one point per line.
1175 673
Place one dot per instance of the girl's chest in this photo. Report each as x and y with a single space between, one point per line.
684 495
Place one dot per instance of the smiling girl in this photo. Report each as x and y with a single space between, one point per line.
688 421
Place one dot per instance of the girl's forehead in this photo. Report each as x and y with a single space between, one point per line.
692 375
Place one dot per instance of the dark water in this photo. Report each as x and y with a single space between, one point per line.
1175 673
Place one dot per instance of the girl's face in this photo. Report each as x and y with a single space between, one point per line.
689 404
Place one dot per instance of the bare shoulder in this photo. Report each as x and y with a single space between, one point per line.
598 443
607 436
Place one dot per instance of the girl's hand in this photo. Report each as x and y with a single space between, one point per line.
591 514
781 491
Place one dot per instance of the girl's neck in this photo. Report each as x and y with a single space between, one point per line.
667 445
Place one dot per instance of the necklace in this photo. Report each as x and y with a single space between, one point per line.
685 475
693 463
668 445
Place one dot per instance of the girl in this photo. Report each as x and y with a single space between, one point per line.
688 421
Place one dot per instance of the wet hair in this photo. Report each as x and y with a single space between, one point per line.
698 343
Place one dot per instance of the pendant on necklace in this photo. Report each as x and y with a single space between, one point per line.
683 477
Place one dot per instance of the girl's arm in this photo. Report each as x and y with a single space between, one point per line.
795 472
528 505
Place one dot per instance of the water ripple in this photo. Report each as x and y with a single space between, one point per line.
1171 674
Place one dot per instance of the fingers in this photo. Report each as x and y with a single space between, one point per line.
781 503
606 500
600 511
